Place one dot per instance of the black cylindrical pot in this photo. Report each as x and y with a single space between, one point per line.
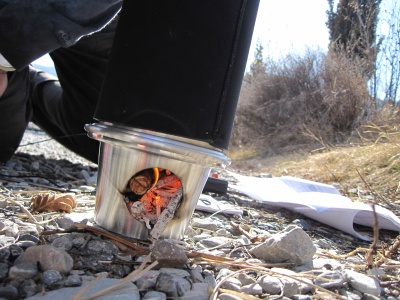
177 66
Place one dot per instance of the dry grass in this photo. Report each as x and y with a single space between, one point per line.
366 168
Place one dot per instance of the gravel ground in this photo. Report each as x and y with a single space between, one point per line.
265 253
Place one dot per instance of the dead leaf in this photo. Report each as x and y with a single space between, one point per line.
53 202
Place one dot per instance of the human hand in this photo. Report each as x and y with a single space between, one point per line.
3 81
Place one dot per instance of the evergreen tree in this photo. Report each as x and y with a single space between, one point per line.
352 28
258 66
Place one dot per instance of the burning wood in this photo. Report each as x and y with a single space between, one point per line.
152 197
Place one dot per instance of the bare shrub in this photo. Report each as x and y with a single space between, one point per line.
298 101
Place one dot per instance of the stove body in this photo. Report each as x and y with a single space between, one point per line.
169 100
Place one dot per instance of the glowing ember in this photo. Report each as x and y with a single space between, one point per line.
150 192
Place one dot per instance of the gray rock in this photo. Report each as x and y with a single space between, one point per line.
51 277
252 289
329 279
246 279
172 285
105 250
362 283
64 242
291 245
228 297
64 222
201 236
73 280
303 224
370 297
323 243
232 284
210 280
199 291
168 255
28 288
208 224
49 257
6 240
4 253
175 272
223 273
215 241
327 264
9 292
29 237
128 291
26 244
3 270
16 250
270 284
23 271
195 274
144 284
10 230
154 295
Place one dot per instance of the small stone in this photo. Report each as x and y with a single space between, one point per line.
28 288
6 240
201 236
215 241
35 166
324 244
64 242
246 279
3 270
363 283
11 230
65 222
29 237
208 224
168 255
291 245
329 279
73 280
50 279
195 274
232 284
9 292
303 224
49 257
252 289
154 295
23 271
171 285
16 250
25 244
228 297
210 280
176 272
106 250
370 297
270 284
4 254
144 284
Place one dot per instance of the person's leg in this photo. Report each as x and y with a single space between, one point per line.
15 113
62 108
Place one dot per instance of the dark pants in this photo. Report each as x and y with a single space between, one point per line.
60 107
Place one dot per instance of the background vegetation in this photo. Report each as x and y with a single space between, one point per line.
315 99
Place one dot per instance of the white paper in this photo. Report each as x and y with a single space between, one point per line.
318 201
209 204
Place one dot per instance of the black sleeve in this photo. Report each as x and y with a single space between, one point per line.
30 29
